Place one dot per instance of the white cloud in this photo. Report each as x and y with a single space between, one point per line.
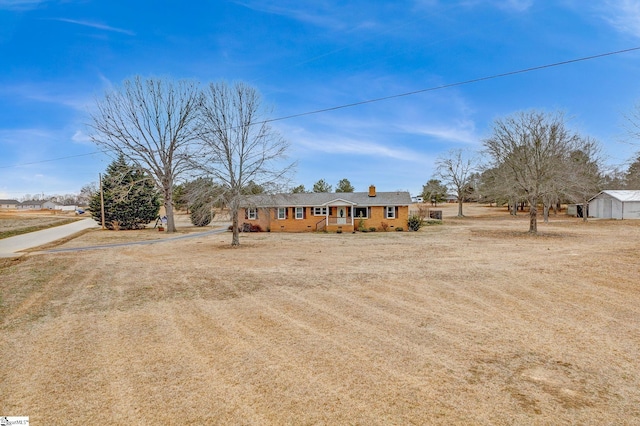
624 15
80 137
344 145
508 5
20 5
516 5
55 95
294 11
463 132
96 25
106 83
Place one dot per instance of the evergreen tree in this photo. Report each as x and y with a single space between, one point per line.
130 198
434 191
344 186
321 186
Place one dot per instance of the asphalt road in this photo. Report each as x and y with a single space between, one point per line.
12 246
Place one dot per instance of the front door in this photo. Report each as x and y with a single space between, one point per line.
342 216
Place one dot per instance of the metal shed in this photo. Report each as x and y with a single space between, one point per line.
615 204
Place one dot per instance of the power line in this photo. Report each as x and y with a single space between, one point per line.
399 95
460 83
52 159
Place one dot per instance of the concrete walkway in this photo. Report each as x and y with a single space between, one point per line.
10 247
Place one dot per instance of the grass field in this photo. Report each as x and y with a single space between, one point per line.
469 322
17 223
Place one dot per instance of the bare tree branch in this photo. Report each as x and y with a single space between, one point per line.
238 148
152 123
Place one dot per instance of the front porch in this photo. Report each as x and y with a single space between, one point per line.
336 224
338 217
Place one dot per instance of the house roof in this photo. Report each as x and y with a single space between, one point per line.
621 195
31 203
9 202
398 198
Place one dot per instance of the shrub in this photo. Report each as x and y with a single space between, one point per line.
399 229
372 229
384 226
415 222
201 214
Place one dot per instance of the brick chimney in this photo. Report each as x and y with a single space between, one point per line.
372 191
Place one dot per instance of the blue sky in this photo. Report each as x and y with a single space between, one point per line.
58 56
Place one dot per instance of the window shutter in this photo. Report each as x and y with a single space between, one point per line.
246 213
256 214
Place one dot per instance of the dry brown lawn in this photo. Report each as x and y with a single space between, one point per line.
469 322
16 222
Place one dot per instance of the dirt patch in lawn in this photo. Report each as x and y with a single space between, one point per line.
468 322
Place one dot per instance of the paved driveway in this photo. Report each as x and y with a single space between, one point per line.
10 247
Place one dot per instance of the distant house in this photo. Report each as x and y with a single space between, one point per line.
30 205
325 211
615 204
51 205
9 204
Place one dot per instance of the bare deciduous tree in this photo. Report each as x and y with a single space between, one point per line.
532 147
632 175
238 147
455 170
152 123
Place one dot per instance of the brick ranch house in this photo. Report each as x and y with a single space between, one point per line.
332 212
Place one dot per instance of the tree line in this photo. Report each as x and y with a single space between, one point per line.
213 145
532 158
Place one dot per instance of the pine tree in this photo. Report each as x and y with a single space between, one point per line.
321 186
130 198
344 186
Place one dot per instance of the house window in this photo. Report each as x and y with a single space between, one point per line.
299 212
362 212
252 214
319 211
282 213
390 212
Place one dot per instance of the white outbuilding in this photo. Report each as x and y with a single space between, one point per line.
615 204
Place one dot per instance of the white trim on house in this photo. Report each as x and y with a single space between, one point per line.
389 212
319 211
282 210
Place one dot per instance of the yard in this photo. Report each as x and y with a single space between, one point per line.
15 223
469 322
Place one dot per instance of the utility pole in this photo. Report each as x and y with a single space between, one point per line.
101 199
